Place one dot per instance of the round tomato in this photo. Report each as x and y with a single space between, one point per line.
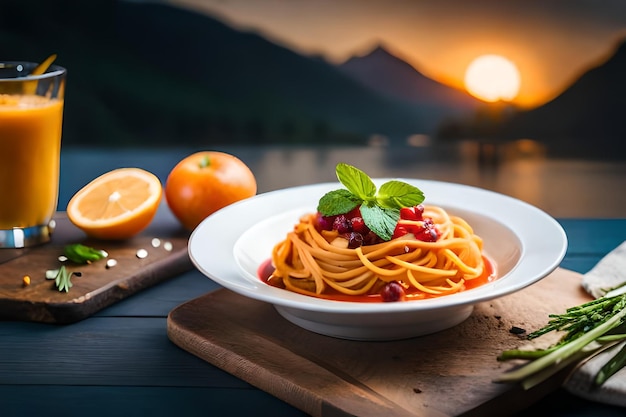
205 182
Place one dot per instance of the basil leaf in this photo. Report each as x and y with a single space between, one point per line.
380 220
398 194
337 202
82 254
357 181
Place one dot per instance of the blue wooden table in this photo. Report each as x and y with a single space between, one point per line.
121 362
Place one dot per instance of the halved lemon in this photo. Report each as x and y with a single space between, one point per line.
116 205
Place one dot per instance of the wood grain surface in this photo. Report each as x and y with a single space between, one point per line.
445 374
97 287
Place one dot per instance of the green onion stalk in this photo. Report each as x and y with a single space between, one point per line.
590 328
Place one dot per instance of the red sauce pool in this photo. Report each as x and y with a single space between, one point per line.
489 275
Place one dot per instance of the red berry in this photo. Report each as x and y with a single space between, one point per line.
412 213
422 235
428 233
399 231
358 225
434 233
407 213
342 224
371 238
355 212
324 222
355 240
392 291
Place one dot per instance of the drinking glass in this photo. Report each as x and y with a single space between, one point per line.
31 118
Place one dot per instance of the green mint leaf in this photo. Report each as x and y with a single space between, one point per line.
337 202
356 181
397 194
380 220
380 209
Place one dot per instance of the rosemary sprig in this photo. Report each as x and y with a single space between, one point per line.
78 254
62 278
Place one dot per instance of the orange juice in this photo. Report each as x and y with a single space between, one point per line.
30 146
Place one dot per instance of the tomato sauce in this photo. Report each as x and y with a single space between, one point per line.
266 269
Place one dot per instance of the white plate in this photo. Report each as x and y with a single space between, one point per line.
230 245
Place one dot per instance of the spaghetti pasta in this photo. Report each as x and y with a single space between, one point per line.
320 263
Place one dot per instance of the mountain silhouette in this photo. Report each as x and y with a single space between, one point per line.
587 119
156 74
159 74
266 80
384 72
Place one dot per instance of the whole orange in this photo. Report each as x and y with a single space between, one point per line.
205 182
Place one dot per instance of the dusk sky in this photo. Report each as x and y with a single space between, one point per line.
551 42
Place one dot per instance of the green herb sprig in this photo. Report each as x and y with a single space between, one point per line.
62 278
82 254
76 253
589 329
380 208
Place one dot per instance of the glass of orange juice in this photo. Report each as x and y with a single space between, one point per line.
31 117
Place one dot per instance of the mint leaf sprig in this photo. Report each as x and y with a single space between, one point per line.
380 208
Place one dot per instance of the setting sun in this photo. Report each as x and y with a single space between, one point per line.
492 78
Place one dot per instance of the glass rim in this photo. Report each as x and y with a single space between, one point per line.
52 71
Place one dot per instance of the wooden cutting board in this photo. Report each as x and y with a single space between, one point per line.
445 374
97 287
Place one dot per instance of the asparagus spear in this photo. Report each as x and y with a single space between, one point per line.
589 329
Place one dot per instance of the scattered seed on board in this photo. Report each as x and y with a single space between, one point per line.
142 253
62 258
156 242
168 246
26 280
111 263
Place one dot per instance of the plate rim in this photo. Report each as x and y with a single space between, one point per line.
263 292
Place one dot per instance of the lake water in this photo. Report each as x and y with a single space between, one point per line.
561 187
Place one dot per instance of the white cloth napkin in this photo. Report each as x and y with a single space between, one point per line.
609 273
